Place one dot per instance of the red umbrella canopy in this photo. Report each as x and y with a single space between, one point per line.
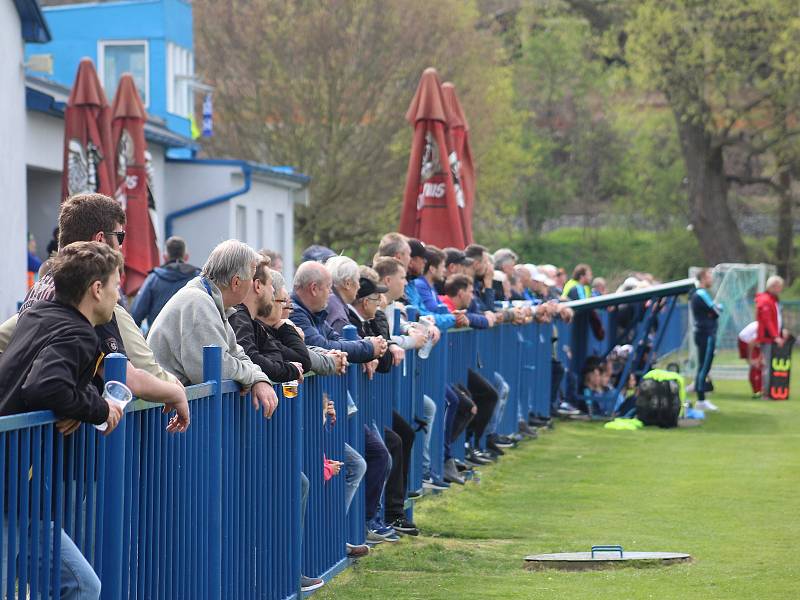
458 143
88 162
431 210
130 170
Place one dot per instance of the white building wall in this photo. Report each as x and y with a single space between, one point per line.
13 225
45 141
192 183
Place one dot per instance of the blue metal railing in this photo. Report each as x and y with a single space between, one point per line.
215 512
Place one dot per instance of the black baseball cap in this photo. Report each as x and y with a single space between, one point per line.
417 248
457 257
367 287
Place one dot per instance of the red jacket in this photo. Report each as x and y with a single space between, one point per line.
767 317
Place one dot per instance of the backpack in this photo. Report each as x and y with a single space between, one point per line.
658 403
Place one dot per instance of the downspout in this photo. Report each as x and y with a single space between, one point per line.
246 173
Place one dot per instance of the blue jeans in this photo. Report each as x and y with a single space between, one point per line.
429 414
78 579
354 468
502 392
304 488
379 463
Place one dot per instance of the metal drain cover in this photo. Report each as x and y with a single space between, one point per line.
602 557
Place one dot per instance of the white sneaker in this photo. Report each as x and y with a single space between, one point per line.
706 405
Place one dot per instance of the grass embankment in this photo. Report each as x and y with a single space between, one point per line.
727 493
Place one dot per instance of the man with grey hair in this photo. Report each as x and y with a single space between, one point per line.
504 261
770 327
197 316
344 277
312 290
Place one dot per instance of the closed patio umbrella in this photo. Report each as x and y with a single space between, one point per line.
458 142
432 204
140 247
88 154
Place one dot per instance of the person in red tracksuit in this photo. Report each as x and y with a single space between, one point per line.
770 326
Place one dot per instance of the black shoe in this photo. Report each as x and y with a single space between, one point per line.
493 454
486 455
474 457
404 526
492 446
527 431
538 422
414 495
505 441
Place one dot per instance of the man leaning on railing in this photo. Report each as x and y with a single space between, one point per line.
50 364
197 316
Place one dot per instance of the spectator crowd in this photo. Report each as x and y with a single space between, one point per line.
274 331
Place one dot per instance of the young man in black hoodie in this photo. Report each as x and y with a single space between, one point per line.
52 359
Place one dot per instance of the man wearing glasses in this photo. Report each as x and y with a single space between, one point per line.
98 218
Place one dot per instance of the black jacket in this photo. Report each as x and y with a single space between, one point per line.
263 347
49 365
373 328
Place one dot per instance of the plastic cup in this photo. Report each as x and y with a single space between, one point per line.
290 388
115 391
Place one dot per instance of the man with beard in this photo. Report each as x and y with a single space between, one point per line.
254 338
426 287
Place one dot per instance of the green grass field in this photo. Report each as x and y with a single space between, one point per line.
728 493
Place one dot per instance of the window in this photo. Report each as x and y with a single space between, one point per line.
180 77
241 223
280 233
124 56
259 229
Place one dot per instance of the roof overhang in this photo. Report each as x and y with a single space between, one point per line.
663 290
34 26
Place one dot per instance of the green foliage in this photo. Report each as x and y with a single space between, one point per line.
614 252
582 485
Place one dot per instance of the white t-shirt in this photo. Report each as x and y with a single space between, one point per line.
749 333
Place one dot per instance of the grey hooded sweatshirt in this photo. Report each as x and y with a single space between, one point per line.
191 319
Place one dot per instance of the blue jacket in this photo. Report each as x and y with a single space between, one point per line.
318 333
443 321
483 297
161 284
337 316
705 312
477 320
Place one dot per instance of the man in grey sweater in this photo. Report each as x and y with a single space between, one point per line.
197 316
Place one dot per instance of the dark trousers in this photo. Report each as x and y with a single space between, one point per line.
705 355
378 461
485 398
457 415
399 441
556 374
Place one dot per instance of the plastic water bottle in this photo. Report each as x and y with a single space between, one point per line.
425 351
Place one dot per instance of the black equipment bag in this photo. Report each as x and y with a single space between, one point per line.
658 403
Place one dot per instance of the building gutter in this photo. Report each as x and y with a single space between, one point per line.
247 173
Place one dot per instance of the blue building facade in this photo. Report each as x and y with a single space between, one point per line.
152 39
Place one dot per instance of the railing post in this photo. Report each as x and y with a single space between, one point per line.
354 434
114 369
212 372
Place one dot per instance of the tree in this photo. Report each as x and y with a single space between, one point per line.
721 70
324 86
